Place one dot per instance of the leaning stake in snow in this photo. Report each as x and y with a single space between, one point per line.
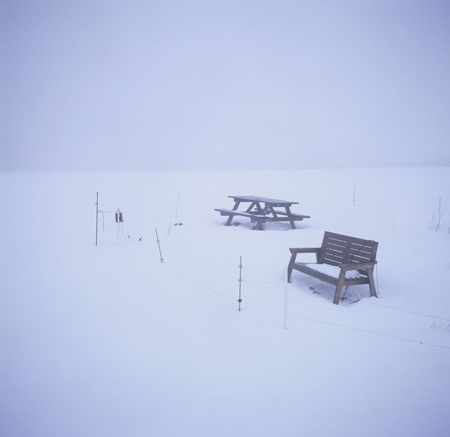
159 247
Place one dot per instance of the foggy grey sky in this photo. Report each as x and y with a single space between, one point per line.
222 85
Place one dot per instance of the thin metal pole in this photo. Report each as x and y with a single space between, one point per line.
285 299
96 221
178 204
240 282
176 215
118 225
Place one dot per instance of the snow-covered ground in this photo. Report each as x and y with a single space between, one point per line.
109 341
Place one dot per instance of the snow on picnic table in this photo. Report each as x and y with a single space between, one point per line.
110 341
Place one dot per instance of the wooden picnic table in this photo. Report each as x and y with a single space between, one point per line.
261 210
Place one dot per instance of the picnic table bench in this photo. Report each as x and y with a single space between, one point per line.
261 211
353 260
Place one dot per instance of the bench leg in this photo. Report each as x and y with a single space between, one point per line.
291 263
373 291
337 294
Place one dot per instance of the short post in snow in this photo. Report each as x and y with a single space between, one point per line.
240 282
159 246
178 204
96 220
119 220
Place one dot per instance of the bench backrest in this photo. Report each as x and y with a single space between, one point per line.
341 249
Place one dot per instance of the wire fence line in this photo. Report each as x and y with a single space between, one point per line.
251 303
280 283
183 204
366 331
336 199
254 281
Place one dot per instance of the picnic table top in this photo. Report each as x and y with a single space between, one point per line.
263 199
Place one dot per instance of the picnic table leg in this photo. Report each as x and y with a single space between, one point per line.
259 225
289 214
266 209
258 208
230 217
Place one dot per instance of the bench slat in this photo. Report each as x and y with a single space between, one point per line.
259 217
243 214
342 249
297 218
300 216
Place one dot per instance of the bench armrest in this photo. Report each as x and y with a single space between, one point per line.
358 266
305 250
297 250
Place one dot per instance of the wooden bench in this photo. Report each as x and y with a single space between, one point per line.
354 259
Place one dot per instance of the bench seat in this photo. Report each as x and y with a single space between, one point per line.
328 271
296 217
261 218
230 212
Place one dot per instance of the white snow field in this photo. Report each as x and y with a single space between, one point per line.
107 340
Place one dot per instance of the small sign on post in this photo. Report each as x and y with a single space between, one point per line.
119 216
